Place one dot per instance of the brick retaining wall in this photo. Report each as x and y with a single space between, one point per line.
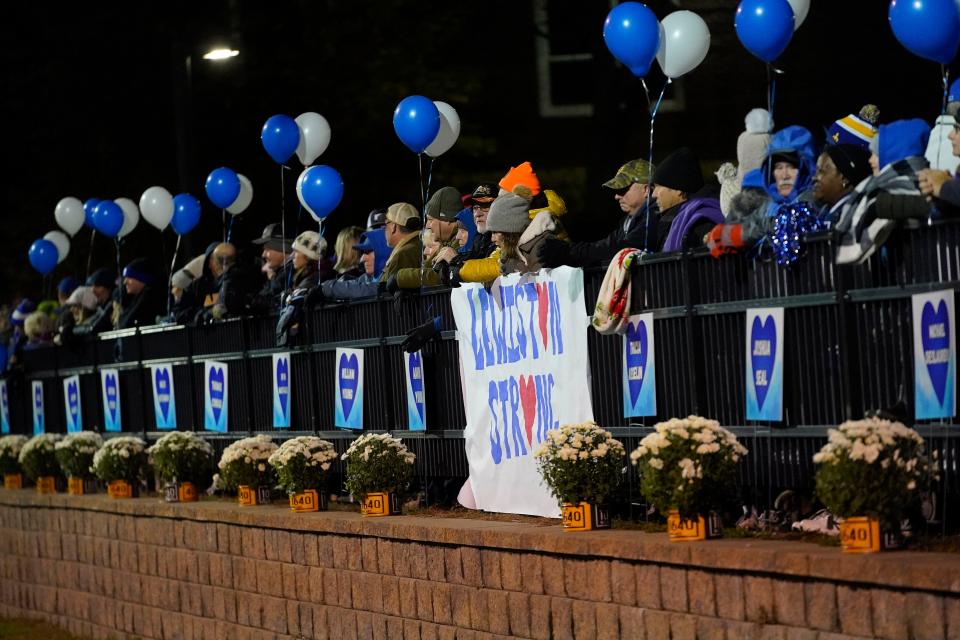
211 570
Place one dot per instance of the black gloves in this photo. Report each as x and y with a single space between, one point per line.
429 330
554 253
392 285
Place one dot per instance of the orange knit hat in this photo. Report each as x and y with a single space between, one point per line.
522 176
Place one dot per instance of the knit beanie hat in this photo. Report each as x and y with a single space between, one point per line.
102 277
67 285
309 244
753 142
139 269
524 177
851 160
25 308
444 205
680 170
508 214
855 129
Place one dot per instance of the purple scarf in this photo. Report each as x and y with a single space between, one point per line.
691 212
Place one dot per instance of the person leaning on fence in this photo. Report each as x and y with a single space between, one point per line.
143 300
347 258
102 282
941 185
941 153
81 304
891 195
517 237
236 285
480 246
687 209
375 255
840 168
631 190
308 249
442 210
785 178
276 267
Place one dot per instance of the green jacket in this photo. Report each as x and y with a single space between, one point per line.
406 255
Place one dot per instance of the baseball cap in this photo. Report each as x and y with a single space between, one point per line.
273 238
404 214
634 171
376 218
485 192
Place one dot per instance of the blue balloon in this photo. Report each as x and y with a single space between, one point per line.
280 136
320 189
223 187
186 213
43 255
108 218
88 208
929 29
417 122
764 27
632 34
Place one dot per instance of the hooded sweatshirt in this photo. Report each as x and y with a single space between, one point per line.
366 286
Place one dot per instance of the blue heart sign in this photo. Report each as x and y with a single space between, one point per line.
4 408
111 399
349 384
215 415
39 424
934 355
164 400
416 407
764 364
281 390
71 398
639 386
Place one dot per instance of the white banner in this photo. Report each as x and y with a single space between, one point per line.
523 355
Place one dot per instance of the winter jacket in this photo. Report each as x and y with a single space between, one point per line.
693 219
939 152
142 309
237 289
203 292
366 286
269 298
543 226
630 233
407 254
878 202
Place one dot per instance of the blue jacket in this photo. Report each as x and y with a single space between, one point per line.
366 286
791 139
465 217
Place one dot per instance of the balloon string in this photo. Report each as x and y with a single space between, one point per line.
945 75
173 262
646 93
93 234
283 229
653 117
223 223
426 195
230 228
423 199
119 275
771 99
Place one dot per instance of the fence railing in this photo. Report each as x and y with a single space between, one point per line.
848 348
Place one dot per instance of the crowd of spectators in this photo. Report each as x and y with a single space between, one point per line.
864 179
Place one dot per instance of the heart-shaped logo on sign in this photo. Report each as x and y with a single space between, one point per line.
38 398
415 367
763 353
217 391
528 400
636 358
347 372
161 387
110 385
283 383
3 398
73 400
935 335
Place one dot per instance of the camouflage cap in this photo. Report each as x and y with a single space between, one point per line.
634 171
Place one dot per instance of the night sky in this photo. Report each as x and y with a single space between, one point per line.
91 92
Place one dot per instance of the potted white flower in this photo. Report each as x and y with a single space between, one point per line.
245 468
121 463
10 447
378 471
184 463
581 464
871 473
38 459
687 468
301 465
75 456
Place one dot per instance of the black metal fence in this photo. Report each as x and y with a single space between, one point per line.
848 349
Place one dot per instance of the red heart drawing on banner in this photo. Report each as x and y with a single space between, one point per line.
543 308
528 398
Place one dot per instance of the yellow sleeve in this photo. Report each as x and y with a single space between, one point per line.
481 269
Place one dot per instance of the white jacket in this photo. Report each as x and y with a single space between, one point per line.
939 150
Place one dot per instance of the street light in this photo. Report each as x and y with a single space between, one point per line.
222 53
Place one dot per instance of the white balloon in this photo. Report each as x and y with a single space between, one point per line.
61 241
800 9
243 199
131 216
684 42
69 215
314 136
448 133
300 195
156 207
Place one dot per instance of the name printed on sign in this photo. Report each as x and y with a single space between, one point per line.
347 373
936 356
506 398
505 329
216 386
761 348
164 397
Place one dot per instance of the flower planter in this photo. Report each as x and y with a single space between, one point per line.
863 535
47 484
584 516
81 486
687 529
307 501
380 504
250 496
119 489
181 492
12 481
